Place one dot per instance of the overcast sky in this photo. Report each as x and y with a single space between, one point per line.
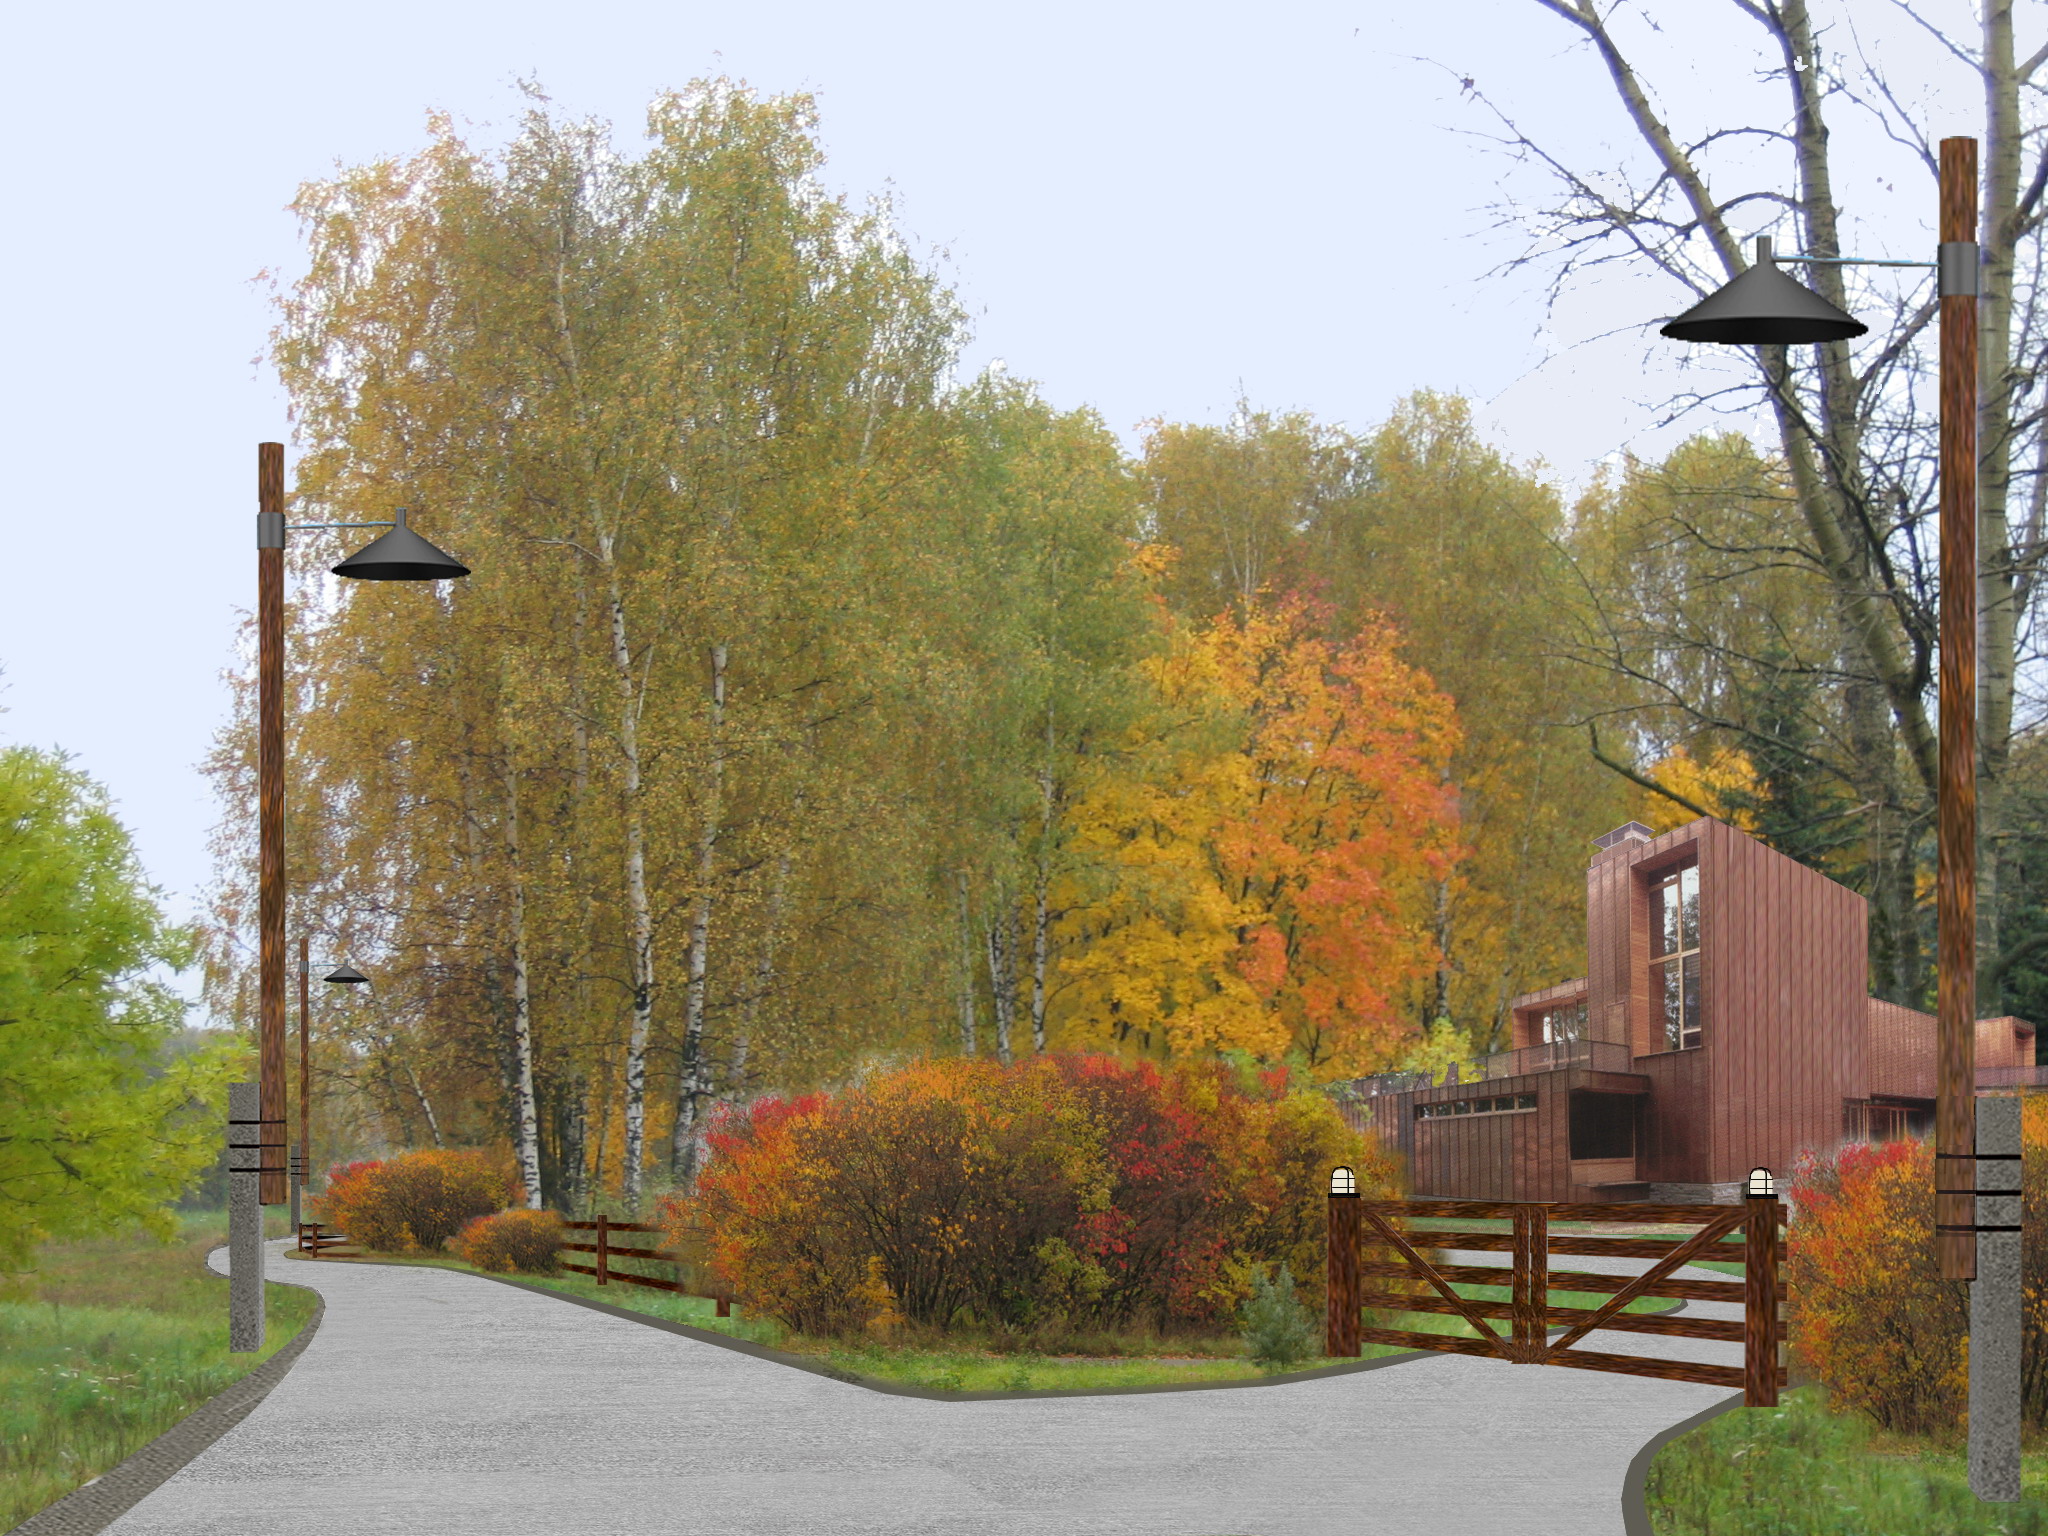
1147 208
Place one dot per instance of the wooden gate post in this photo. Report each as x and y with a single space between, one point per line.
603 1248
1760 1293
1532 1283
1340 1266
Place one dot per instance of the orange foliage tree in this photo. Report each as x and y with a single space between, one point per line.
1061 1191
1265 849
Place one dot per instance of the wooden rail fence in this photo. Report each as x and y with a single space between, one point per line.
1757 1223
604 1227
316 1240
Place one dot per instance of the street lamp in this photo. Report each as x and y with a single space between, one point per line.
398 555
1763 307
302 1158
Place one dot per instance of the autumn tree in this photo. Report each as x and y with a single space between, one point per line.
1851 423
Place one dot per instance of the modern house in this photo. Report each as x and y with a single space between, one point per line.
1724 1023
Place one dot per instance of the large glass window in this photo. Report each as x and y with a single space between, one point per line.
1675 957
1563 1023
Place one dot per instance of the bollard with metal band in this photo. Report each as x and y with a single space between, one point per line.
1995 1334
1340 1266
1760 1331
245 1219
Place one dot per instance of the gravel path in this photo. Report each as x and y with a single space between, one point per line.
442 1403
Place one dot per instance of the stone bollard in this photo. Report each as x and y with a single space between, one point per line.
245 1222
1995 1306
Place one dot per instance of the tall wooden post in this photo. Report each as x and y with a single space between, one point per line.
1760 1302
1955 1113
604 1249
1340 1269
305 1074
270 819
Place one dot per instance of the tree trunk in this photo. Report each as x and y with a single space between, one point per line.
691 1084
1997 584
640 914
1002 970
426 1106
522 1003
966 967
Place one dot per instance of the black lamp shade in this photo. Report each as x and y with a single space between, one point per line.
1763 307
347 976
400 555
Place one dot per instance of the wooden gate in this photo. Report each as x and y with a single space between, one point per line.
1758 1222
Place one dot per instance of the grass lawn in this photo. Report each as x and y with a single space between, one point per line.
116 1340
1120 1364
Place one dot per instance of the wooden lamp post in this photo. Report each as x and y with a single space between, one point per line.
1763 307
396 555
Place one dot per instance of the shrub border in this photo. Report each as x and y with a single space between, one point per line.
91 1508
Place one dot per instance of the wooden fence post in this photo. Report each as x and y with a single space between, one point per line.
603 1247
1760 1302
1340 1267
1532 1282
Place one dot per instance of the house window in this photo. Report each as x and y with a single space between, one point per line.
1563 1023
1505 1104
1675 957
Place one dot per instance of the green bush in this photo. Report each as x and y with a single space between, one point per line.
528 1241
1278 1331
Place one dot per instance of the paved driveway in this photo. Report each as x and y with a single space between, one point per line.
440 1404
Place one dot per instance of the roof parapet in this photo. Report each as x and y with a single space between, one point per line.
1627 832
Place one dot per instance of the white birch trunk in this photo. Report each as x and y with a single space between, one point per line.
966 968
1002 972
426 1106
640 914
690 1089
522 1005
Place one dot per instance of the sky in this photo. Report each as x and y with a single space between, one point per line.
1154 210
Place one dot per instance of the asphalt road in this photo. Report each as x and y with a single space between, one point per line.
435 1403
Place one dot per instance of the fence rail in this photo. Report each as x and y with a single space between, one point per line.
316 1240
604 1226
1751 1234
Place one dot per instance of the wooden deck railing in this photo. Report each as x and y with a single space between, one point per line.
605 1252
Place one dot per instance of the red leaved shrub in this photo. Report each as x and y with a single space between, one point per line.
413 1202
528 1241
1867 1313
1062 1190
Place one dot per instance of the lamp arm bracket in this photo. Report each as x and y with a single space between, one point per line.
1956 265
1857 261
310 527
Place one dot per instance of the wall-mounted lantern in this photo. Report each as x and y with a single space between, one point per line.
1760 1185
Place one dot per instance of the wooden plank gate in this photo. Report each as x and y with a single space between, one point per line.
1758 1223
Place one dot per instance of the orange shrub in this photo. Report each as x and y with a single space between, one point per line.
528 1241
1867 1312
1065 1189
416 1201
